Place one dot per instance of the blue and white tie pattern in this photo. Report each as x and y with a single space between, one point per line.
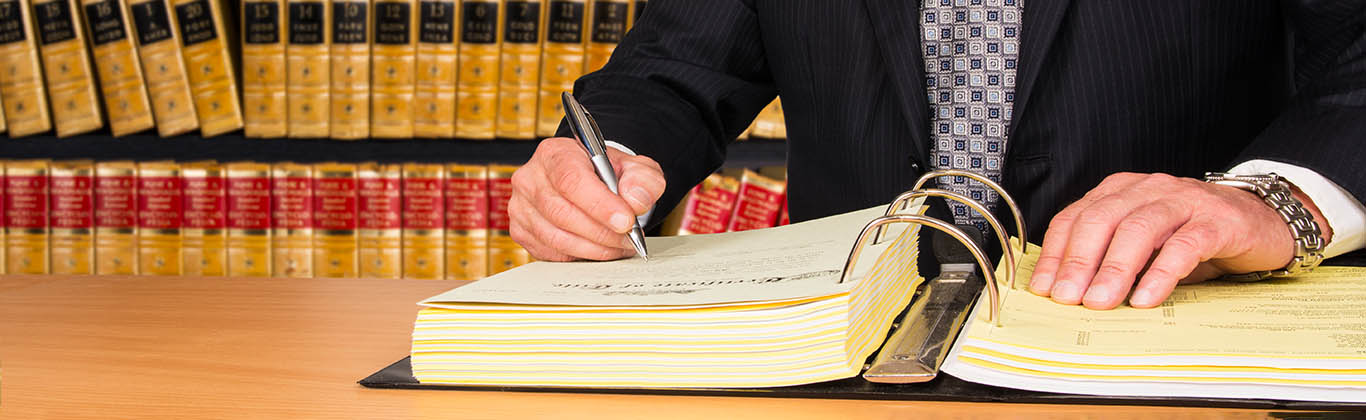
971 49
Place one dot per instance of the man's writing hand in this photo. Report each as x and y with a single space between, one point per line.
560 210
1158 230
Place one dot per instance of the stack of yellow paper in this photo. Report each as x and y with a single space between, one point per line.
1297 338
748 309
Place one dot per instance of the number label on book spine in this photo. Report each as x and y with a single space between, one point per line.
262 22
565 22
306 21
11 22
196 22
348 22
55 23
609 21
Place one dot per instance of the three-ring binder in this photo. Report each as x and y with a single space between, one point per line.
916 347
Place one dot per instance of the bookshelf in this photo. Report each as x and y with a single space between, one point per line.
234 147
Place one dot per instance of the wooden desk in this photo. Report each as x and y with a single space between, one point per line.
189 348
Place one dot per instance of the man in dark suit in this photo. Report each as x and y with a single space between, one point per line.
1080 108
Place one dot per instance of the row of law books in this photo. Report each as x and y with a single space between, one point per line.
375 220
730 201
342 69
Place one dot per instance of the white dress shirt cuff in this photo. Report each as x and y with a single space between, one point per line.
1344 212
644 218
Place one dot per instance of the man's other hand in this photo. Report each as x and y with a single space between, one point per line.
1150 232
561 211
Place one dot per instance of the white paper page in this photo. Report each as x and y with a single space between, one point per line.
787 262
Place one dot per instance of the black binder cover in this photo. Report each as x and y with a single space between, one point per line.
943 388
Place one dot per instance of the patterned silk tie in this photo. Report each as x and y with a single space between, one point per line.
970 50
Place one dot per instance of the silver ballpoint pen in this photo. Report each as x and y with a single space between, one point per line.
590 136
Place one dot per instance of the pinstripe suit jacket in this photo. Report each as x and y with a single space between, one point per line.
1179 87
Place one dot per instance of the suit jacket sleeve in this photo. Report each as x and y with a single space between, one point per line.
683 83
1323 128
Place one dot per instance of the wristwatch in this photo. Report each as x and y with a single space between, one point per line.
1275 191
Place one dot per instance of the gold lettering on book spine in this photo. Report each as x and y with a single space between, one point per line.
334 220
26 212
249 219
71 216
160 209
116 223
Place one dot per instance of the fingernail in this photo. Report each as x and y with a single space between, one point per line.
1142 297
1040 283
1066 291
621 222
639 196
1098 294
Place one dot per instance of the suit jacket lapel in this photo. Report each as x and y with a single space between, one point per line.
1040 25
897 26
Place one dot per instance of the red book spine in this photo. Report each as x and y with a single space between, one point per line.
500 191
758 204
205 203
115 202
467 204
782 218
709 206
72 203
26 201
422 203
293 202
160 202
378 203
334 203
248 204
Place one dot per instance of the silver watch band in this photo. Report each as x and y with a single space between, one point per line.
1276 193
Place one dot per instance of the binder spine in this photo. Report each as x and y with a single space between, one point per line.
309 65
263 62
434 116
66 67
159 51
607 21
71 219
467 222
380 229
116 221
504 253
292 220
334 220
21 83
393 61
205 222
481 37
160 212
212 77
116 63
248 188
26 217
561 60
422 221
521 69
350 115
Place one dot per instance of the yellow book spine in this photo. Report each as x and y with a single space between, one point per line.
264 99
309 80
434 116
292 220
481 38
66 67
607 24
205 222
423 221
71 217
116 63
21 83
521 69
3 127
467 221
393 57
334 220
350 70
248 188
160 210
159 50
3 216
26 213
770 123
212 77
116 218
561 61
379 206
504 253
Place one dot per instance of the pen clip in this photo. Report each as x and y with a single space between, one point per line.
583 126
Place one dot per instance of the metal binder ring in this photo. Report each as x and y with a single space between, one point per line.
988 270
1010 202
978 206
